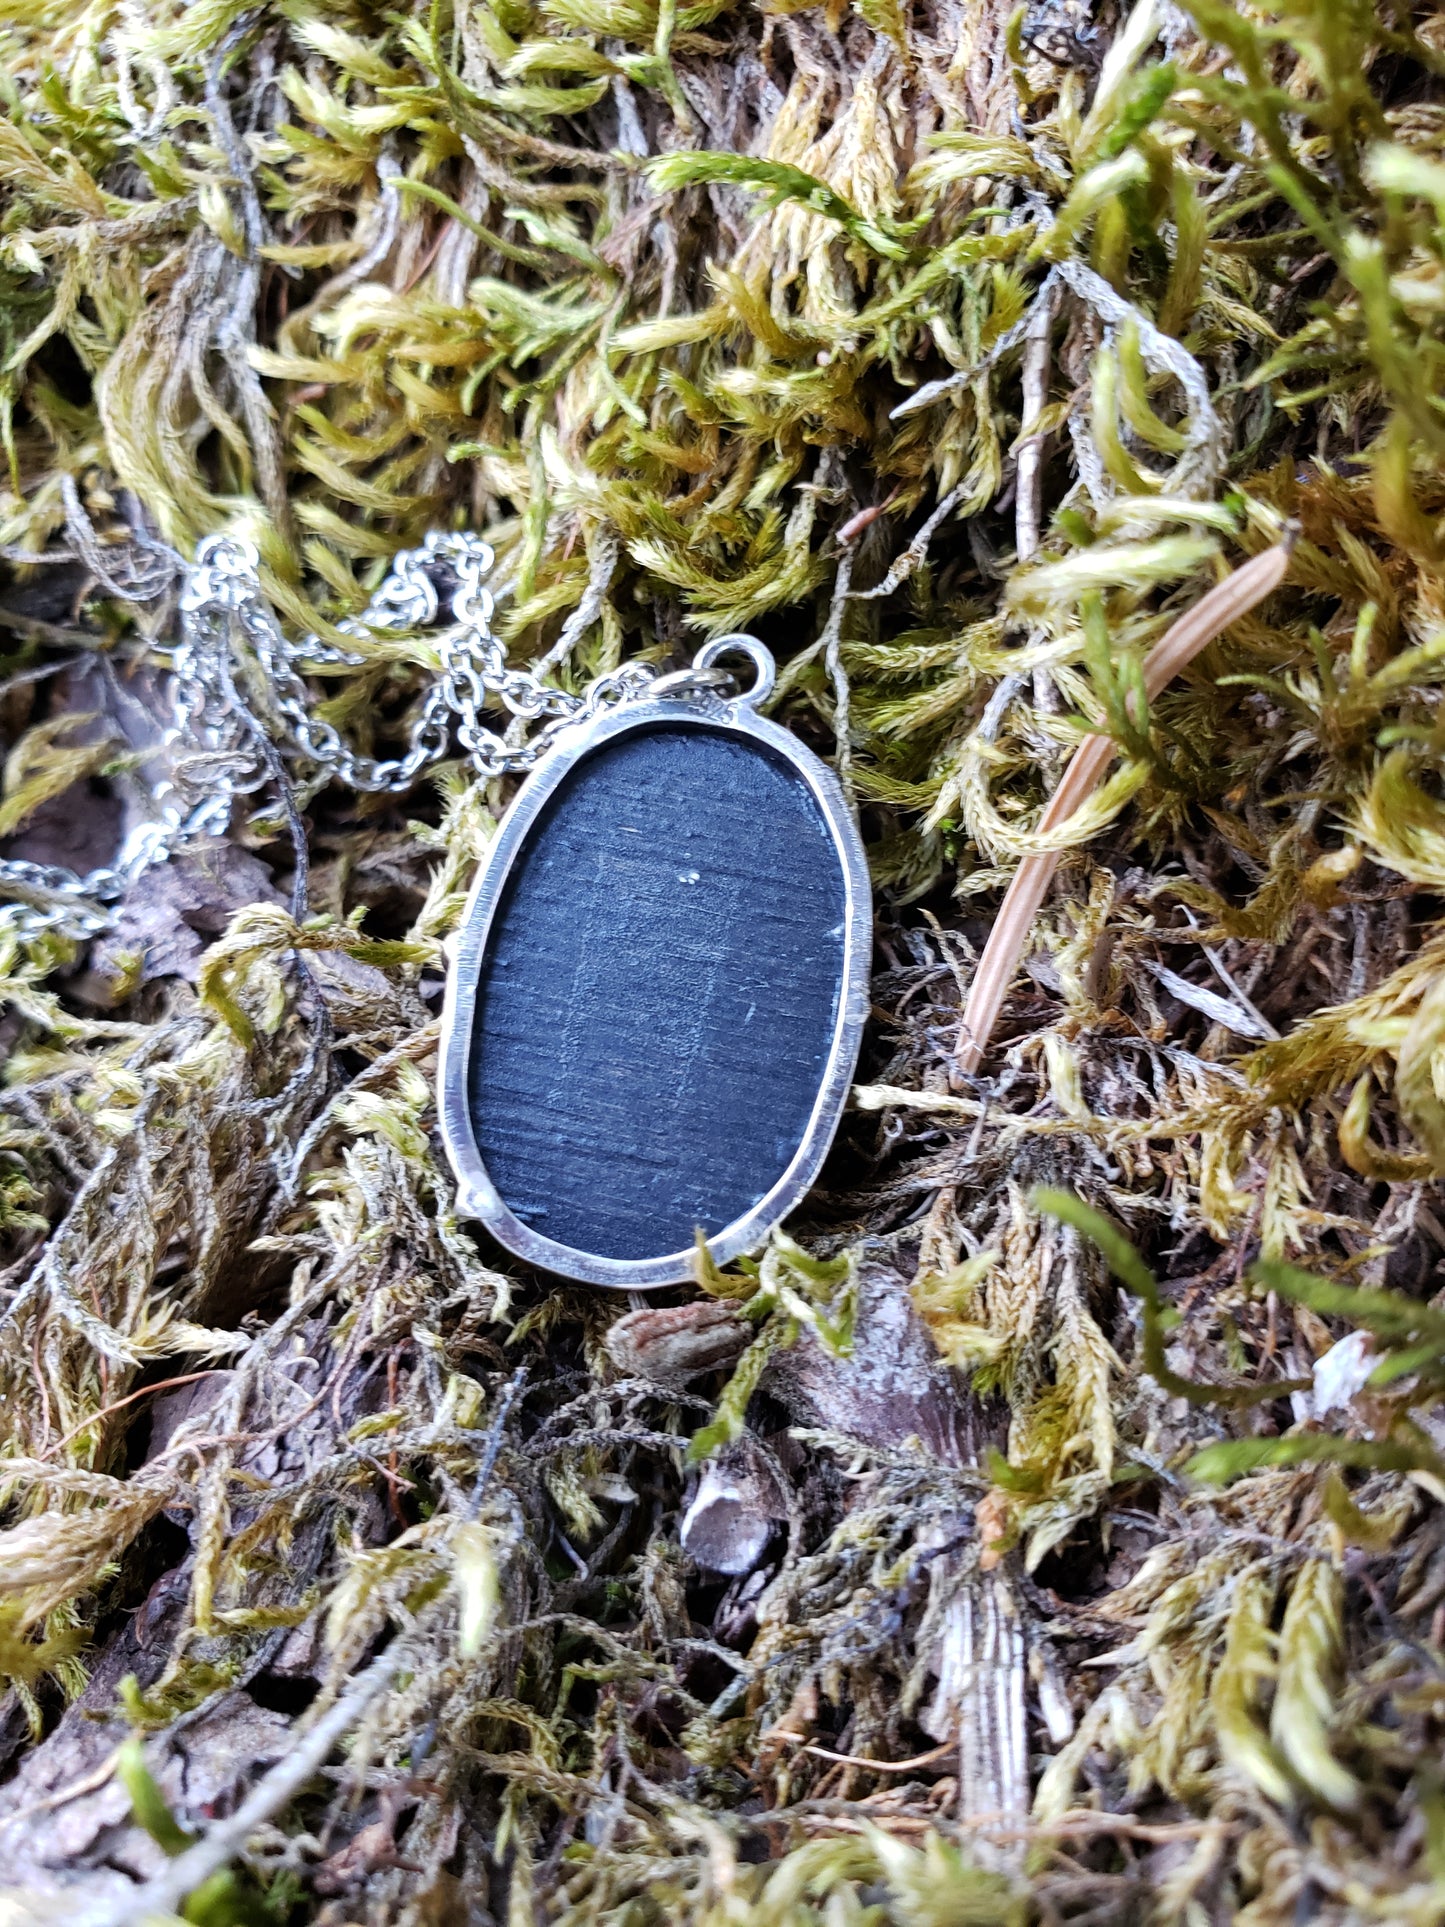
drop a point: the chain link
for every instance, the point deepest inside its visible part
(214, 738)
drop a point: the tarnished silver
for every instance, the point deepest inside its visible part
(688, 695)
(216, 743)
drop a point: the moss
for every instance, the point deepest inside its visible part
(958, 351)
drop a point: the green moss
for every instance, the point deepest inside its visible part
(958, 364)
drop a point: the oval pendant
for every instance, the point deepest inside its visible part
(658, 992)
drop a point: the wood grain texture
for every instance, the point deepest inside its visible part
(659, 994)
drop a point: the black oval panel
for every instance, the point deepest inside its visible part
(659, 992)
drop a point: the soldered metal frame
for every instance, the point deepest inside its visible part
(691, 700)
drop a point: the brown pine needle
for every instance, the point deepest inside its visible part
(161, 1385)
(1210, 617)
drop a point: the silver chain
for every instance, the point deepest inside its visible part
(215, 739)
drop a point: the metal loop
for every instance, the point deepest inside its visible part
(757, 653)
(614, 686)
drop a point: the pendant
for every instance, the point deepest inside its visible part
(659, 987)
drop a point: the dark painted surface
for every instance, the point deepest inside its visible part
(658, 998)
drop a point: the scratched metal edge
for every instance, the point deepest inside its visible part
(477, 1197)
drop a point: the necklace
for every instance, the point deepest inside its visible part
(657, 993)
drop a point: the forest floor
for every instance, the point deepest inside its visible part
(1051, 1526)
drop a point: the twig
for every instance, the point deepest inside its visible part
(235, 329)
(912, 557)
(947, 1747)
(833, 658)
(933, 391)
(494, 1440)
(602, 566)
(1035, 372)
(1267, 1029)
(290, 809)
(427, 1736)
(1202, 457)
(165, 1894)
(91, 1783)
(23, 558)
(40, 672)
(34, 630)
(1210, 617)
(1081, 1823)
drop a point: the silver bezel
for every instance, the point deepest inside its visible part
(476, 1195)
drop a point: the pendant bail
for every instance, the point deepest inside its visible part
(757, 653)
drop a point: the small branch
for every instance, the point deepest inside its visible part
(602, 566)
(832, 640)
(166, 1893)
(912, 557)
(495, 1434)
(77, 1789)
(42, 671)
(1210, 617)
(947, 1749)
(848, 1816)
(1035, 373)
(933, 391)
(296, 828)
(34, 630)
